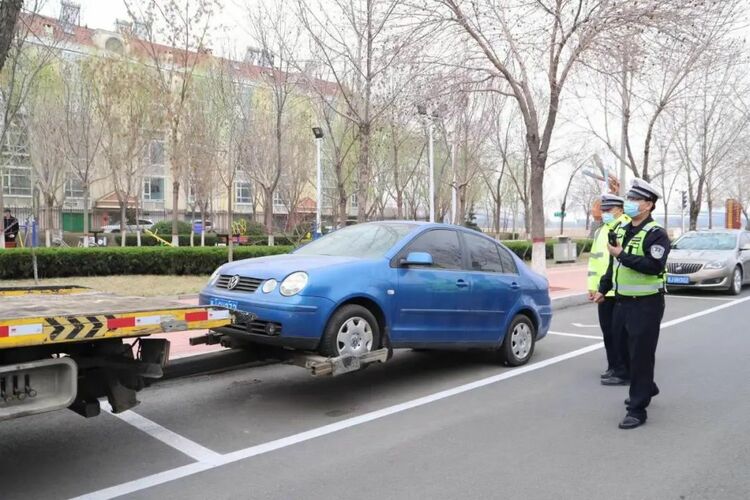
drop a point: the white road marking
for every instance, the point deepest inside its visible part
(695, 297)
(581, 325)
(217, 460)
(172, 439)
(576, 335)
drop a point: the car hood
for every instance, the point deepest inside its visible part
(699, 255)
(280, 266)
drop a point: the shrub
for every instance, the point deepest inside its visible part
(64, 262)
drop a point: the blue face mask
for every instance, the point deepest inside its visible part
(607, 218)
(632, 209)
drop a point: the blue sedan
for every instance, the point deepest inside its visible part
(427, 286)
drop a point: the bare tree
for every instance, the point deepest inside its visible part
(46, 125)
(82, 133)
(644, 69)
(173, 36)
(124, 103)
(30, 51)
(358, 42)
(709, 127)
(562, 32)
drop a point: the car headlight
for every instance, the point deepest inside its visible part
(214, 276)
(293, 284)
(269, 286)
(715, 265)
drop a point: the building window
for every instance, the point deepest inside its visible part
(17, 181)
(242, 193)
(278, 201)
(191, 196)
(153, 189)
(156, 152)
(17, 169)
(353, 202)
(73, 188)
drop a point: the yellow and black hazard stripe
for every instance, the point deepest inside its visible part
(23, 332)
(76, 327)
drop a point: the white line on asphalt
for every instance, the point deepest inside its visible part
(581, 325)
(189, 470)
(695, 297)
(576, 335)
(190, 448)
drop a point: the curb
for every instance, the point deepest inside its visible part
(568, 301)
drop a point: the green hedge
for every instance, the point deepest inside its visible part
(131, 240)
(523, 248)
(64, 262)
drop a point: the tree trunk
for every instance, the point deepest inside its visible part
(268, 209)
(399, 204)
(536, 192)
(363, 185)
(230, 253)
(9, 10)
(86, 229)
(123, 221)
(175, 211)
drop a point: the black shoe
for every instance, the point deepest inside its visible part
(615, 381)
(630, 422)
(607, 374)
(656, 393)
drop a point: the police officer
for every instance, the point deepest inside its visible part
(613, 220)
(637, 273)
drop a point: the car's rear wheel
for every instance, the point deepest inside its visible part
(519, 341)
(351, 331)
(735, 287)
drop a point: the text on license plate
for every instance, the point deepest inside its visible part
(678, 280)
(226, 304)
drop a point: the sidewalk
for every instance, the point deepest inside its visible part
(567, 283)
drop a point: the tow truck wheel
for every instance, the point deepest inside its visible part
(351, 331)
(518, 344)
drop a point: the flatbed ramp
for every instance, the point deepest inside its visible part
(64, 347)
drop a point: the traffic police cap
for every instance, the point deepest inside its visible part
(609, 201)
(643, 190)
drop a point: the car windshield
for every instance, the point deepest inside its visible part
(366, 240)
(706, 241)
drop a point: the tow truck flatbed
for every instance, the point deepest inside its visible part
(42, 316)
(63, 347)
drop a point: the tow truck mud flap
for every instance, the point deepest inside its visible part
(37, 387)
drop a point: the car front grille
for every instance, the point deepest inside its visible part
(248, 285)
(680, 268)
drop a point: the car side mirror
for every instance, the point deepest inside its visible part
(417, 259)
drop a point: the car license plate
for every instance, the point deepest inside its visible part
(678, 280)
(226, 304)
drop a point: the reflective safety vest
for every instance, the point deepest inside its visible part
(599, 257)
(631, 283)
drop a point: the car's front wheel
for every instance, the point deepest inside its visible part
(518, 344)
(735, 287)
(351, 331)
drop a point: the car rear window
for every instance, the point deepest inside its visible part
(706, 241)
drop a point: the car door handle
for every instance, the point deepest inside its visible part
(515, 286)
(461, 284)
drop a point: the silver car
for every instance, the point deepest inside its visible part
(717, 259)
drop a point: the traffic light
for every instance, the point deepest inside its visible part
(684, 200)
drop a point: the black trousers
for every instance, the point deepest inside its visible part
(606, 320)
(637, 322)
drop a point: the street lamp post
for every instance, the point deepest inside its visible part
(318, 133)
(422, 110)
